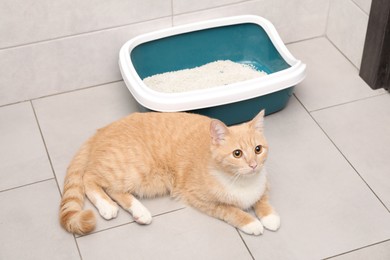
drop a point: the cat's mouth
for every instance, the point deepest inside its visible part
(253, 171)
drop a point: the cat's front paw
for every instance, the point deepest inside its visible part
(253, 228)
(143, 218)
(271, 222)
(140, 214)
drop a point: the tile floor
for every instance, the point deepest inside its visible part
(329, 171)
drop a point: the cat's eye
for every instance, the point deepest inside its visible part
(237, 153)
(258, 149)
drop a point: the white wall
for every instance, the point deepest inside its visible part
(49, 47)
(347, 26)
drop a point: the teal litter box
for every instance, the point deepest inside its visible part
(244, 39)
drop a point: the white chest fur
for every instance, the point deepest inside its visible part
(244, 191)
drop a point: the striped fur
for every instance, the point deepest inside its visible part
(72, 216)
(187, 156)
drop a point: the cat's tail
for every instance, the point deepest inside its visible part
(72, 216)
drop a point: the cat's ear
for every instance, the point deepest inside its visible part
(218, 131)
(258, 122)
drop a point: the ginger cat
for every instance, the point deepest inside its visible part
(216, 169)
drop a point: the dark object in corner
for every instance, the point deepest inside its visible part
(375, 67)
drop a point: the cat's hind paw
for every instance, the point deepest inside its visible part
(253, 228)
(107, 210)
(271, 222)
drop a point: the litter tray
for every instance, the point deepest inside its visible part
(245, 39)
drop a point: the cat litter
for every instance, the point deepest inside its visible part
(217, 73)
(245, 39)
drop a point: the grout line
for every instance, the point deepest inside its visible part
(334, 144)
(243, 241)
(171, 211)
(357, 249)
(60, 93)
(119, 80)
(47, 151)
(15, 103)
(172, 14)
(342, 53)
(326, 34)
(119, 26)
(214, 7)
(52, 168)
(130, 222)
(25, 185)
(306, 39)
(77, 246)
(75, 90)
(105, 229)
(327, 18)
(81, 33)
(347, 102)
(361, 9)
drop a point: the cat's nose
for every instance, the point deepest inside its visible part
(253, 165)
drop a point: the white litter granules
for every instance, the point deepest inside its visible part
(212, 74)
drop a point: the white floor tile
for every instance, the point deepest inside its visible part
(376, 252)
(23, 157)
(156, 207)
(185, 6)
(347, 26)
(29, 224)
(184, 234)
(324, 206)
(309, 17)
(63, 18)
(361, 130)
(330, 78)
(365, 5)
(70, 119)
(65, 64)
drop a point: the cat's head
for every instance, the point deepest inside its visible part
(240, 149)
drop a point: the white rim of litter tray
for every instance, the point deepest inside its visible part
(220, 95)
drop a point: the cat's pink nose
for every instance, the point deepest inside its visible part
(253, 165)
